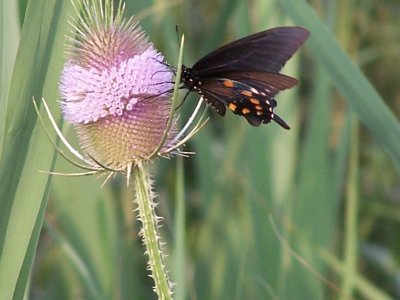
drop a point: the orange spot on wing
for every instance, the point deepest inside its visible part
(254, 101)
(246, 93)
(228, 83)
(259, 107)
(245, 111)
(232, 106)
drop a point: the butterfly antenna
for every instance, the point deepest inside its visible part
(147, 96)
(162, 82)
(173, 69)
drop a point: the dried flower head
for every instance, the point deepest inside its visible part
(115, 88)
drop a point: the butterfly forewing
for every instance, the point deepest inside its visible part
(266, 51)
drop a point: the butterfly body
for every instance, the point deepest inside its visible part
(244, 75)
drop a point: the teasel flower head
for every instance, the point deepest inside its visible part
(116, 88)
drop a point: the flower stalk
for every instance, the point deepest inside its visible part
(116, 91)
(151, 239)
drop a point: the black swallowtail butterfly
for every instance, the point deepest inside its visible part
(244, 75)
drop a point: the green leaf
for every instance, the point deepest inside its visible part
(23, 190)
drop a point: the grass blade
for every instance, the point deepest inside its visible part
(348, 78)
(23, 193)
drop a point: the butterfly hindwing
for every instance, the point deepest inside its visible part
(269, 83)
(255, 104)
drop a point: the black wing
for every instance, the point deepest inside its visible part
(267, 84)
(266, 51)
(248, 94)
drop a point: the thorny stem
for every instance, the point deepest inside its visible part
(150, 236)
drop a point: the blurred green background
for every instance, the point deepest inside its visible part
(310, 213)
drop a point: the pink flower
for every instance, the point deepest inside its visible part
(116, 91)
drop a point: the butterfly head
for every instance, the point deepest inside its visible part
(189, 80)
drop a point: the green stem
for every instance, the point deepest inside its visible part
(179, 258)
(150, 236)
(351, 209)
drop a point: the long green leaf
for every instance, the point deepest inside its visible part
(9, 38)
(23, 192)
(352, 83)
